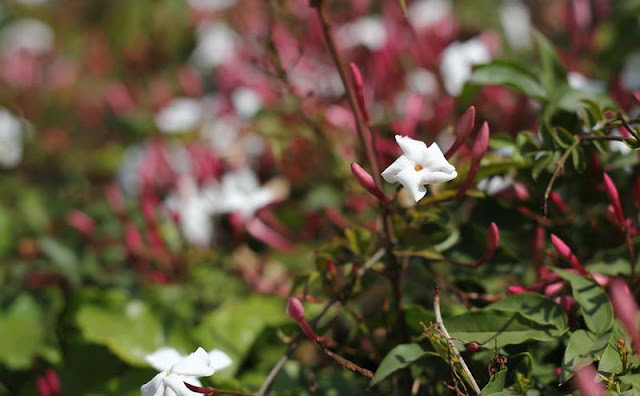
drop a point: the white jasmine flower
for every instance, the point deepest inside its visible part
(367, 31)
(630, 74)
(176, 369)
(579, 81)
(516, 23)
(458, 60)
(496, 184)
(194, 210)
(246, 101)
(426, 13)
(11, 131)
(26, 34)
(618, 146)
(180, 115)
(418, 166)
(239, 192)
(216, 45)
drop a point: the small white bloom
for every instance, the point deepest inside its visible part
(176, 369)
(11, 131)
(180, 115)
(194, 209)
(458, 60)
(240, 193)
(216, 45)
(418, 166)
(496, 184)
(426, 13)
(246, 101)
(422, 81)
(579, 81)
(26, 34)
(618, 146)
(367, 31)
(516, 23)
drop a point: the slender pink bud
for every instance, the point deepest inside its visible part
(521, 191)
(515, 289)
(331, 267)
(625, 308)
(81, 222)
(54, 382)
(558, 201)
(565, 253)
(477, 152)
(493, 240)
(635, 192)
(295, 310)
(367, 182)
(356, 77)
(585, 381)
(114, 198)
(636, 95)
(614, 197)
(201, 389)
(132, 239)
(42, 386)
(538, 246)
(464, 129)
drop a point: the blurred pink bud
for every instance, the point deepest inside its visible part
(474, 346)
(585, 381)
(356, 77)
(190, 81)
(262, 232)
(493, 240)
(42, 386)
(331, 267)
(538, 245)
(54, 382)
(553, 288)
(477, 152)
(114, 197)
(464, 129)
(119, 99)
(566, 254)
(636, 95)
(81, 222)
(566, 302)
(614, 198)
(558, 201)
(132, 239)
(295, 310)
(367, 182)
(515, 289)
(625, 308)
(521, 191)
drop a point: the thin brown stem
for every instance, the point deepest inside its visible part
(556, 172)
(440, 326)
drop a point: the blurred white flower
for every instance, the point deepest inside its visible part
(618, 146)
(366, 31)
(176, 370)
(419, 165)
(422, 81)
(426, 13)
(239, 192)
(579, 81)
(496, 184)
(458, 60)
(630, 74)
(11, 131)
(216, 45)
(246, 101)
(194, 210)
(180, 115)
(516, 23)
(26, 34)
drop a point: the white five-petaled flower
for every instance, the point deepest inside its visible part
(177, 369)
(418, 166)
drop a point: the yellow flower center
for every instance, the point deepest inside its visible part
(418, 168)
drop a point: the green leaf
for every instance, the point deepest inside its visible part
(534, 307)
(593, 300)
(496, 383)
(128, 328)
(632, 380)
(610, 361)
(508, 74)
(552, 71)
(21, 333)
(584, 347)
(235, 326)
(398, 358)
(505, 327)
(62, 256)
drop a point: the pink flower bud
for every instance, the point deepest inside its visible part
(515, 289)
(356, 78)
(367, 182)
(477, 152)
(464, 129)
(585, 381)
(42, 386)
(614, 198)
(295, 310)
(521, 191)
(54, 382)
(558, 201)
(331, 267)
(565, 253)
(473, 346)
(81, 222)
(114, 197)
(132, 239)
(625, 308)
(493, 240)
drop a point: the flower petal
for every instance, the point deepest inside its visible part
(164, 358)
(219, 360)
(413, 149)
(176, 384)
(427, 177)
(194, 365)
(396, 167)
(434, 160)
(155, 387)
(410, 179)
